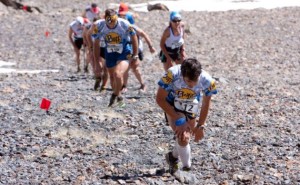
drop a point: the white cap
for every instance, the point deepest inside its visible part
(80, 20)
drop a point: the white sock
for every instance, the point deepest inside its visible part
(184, 154)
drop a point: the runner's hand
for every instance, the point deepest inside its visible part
(181, 130)
(199, 133)
(152, 49)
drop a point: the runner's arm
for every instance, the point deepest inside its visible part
(141, 33)
(88, 38)
(134, 45)
(161, 96)
(163, 39)
(70, 35)
(204, 109)
(84, 14)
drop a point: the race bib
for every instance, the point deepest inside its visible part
(190, 106)
(114, 48)
(176, 45)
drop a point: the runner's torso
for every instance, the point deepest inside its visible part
(116, 39)
(173, 41)
(183, 97)
(77, 29)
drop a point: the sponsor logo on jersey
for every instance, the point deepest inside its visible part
(129, 56)
(113, 38)
(131, 30)
(185, 93)
(167, 79)
(95, 30)
(212, 86)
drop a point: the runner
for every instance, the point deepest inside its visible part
(99, 68)
(134, 65)
(115, 32)
(172, 42)
(92, 12)
(85, 36)
(124, 12)
(76, 37)
(179, 95)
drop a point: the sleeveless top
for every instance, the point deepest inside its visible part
(174, 41)
(90, 14)
(77, 29)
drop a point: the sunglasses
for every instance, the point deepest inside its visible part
(175, 21)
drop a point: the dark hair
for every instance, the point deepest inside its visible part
(191, 68)
(94, 5)
(110, 12)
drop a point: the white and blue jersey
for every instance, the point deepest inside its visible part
(180, 95)
(116, 40)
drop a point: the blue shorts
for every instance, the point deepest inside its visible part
(111, 59)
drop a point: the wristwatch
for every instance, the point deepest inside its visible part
(134, 57)
(200, 126)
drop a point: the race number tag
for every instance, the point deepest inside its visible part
(114, 48)
(176, 45)
(190, 106)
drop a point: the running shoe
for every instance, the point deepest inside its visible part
(120, 101)
(186, 169)
(173, 162)
(97, 83)
(112, 100)
(102, 89)
(86, 68)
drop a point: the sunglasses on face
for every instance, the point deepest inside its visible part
(175, 21)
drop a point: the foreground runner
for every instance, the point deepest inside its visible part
(115, 32)
(172, 42)
(179, 95)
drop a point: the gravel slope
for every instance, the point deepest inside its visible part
(252, 134)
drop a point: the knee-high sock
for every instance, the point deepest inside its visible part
(184, 153)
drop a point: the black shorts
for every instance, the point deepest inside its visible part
(141, 55)
(102, 52)
(174, 54)
(78, 42)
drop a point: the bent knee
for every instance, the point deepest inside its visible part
(184, 142)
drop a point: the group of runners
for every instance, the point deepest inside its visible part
(114, 46)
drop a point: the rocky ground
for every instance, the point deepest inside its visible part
(252, 133)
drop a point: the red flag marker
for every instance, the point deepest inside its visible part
(24, 7)
(47, 33)
(45, 104)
